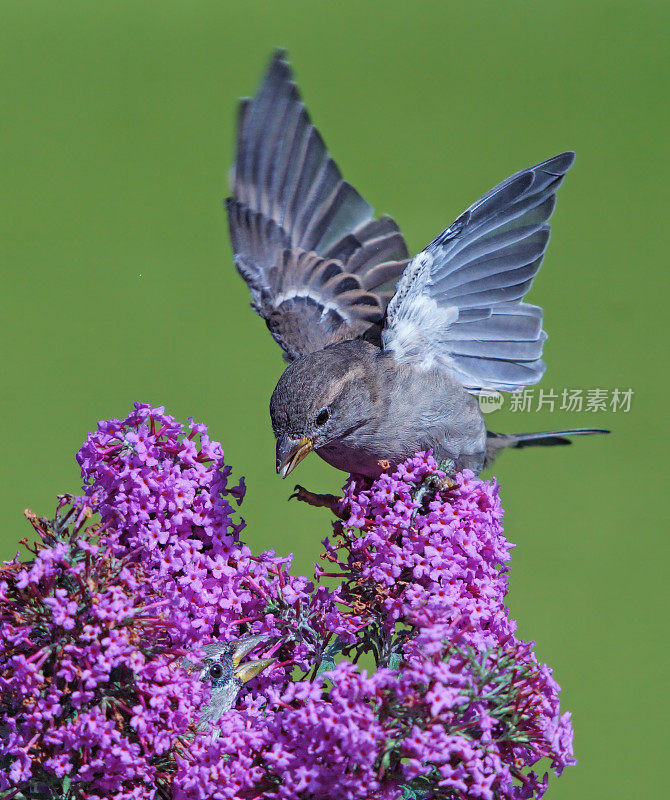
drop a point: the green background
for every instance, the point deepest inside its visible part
(118, 284)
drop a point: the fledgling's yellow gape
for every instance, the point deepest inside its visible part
(224, 671)
(386, 352)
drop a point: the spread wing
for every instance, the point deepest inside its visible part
(320, 267)
(459, 301)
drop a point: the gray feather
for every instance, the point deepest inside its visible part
(289, 195)
(474, 274)
(495, 442)
(507, 376)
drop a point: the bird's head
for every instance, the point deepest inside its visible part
(322, 398)
(223, 670)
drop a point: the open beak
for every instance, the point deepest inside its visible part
(245, 672)
(290, 452)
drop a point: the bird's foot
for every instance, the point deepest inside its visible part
(318, 500)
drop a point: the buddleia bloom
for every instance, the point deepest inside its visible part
(165, 497)
(92, 694)
(457, 707)
(99, 622)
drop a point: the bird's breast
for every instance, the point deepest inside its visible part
(357, 459)
(416, 409)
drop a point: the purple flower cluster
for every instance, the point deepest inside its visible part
(458, 706)
(91, 687)
(95, 628)
(302, 745)
(162, 491)
(472, 722)
(163, 494)
(425, 553)
(467, 727)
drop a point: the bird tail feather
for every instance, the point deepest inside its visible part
(548, 438)
(495, 442)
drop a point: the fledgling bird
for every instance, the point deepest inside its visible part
(386, 352)
(223, 670)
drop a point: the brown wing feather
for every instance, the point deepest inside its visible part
(294, 219)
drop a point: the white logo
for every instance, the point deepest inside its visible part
(490, 401)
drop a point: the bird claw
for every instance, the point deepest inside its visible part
(317, 500)
(299, 493)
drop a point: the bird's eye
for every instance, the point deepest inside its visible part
(322, 416)
(215, 671)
